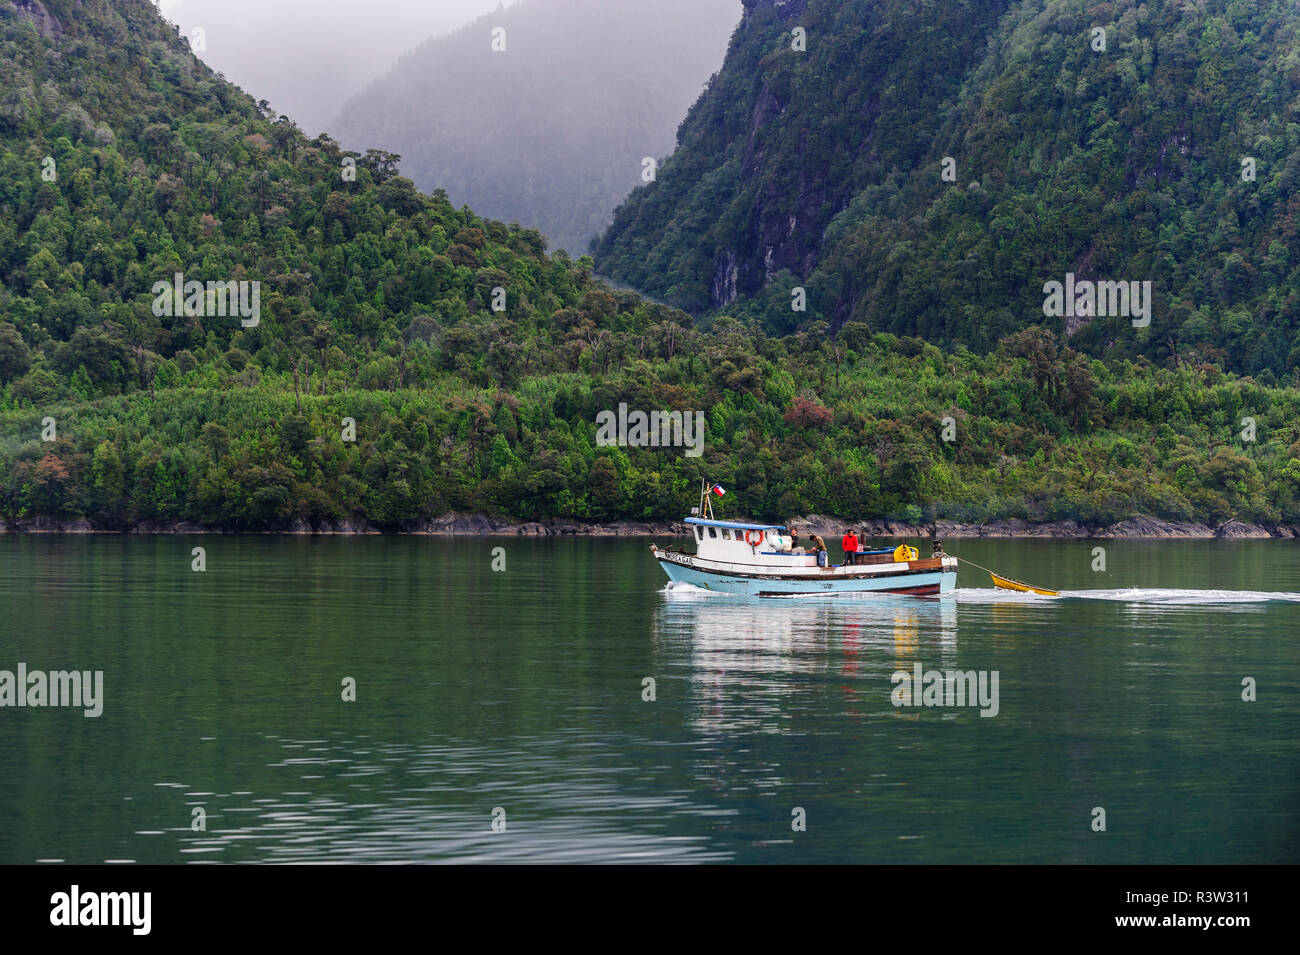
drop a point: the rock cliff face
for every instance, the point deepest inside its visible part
(787, 230)
(34, 12)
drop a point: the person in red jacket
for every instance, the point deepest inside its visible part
(850, 545)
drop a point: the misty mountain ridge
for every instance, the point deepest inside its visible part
(552, 130)
(307, 57)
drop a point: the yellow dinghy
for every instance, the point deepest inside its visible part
(1005, 583)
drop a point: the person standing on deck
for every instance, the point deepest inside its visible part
(850, 545)
(819, 548)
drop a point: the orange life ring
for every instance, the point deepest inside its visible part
(753, 543)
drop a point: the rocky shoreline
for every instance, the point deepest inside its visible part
(478, 525)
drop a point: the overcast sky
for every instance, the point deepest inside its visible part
(308, 56)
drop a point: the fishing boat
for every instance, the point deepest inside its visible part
(735, 557)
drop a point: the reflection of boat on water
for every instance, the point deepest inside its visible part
(751, 663)
(779, 635)
(756, 560)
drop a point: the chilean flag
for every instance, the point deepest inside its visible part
(718, 489)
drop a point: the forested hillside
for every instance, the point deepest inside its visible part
(1164, 149)
(124, 161)
(547, 121)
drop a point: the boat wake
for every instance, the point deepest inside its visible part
(1134, 595)
(989, 595)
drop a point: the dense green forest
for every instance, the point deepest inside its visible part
(823, 168)
(550, 123)
(378, 306)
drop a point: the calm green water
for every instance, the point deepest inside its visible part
(522, 690)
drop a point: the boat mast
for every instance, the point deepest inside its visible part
(706, 500)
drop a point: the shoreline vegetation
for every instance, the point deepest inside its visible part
(410, 359)
(481, 525)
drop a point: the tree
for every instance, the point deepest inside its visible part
(382, 165)
(15, 356)
(217, 439)
(804, 413)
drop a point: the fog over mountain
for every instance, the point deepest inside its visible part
(306, 56)
(552, 130)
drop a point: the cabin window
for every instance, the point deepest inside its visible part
(726, 534)
(713, 532)
(699, 533)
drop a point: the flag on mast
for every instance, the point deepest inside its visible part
(718, 489)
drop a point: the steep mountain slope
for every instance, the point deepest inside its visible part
(551, 130)
(823, 169)
(125, 160)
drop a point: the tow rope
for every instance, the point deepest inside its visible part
(1006, 583)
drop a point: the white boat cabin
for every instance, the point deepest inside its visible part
(743, 543)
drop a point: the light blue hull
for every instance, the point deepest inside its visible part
(921, 584)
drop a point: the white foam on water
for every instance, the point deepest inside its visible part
(987, 595)
(1187, 597)
(686, 591)
(1135, 595)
